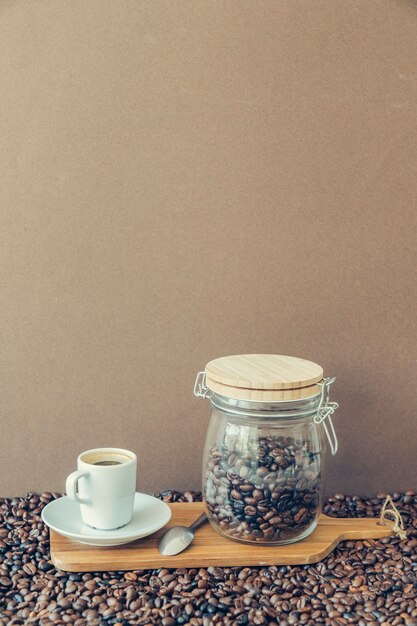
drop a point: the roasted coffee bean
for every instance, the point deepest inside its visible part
(250, 510)
(368, 582)
(280, 485)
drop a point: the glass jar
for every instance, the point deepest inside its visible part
(263, 463)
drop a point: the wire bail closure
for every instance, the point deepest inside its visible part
(325, 411)
(200, 388)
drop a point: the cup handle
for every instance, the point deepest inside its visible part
(72, 487)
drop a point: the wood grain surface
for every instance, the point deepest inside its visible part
(209, 548)
(264, 371)
(262, 395)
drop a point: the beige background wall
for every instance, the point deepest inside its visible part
(185, 180)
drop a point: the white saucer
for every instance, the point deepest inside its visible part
(149, 515)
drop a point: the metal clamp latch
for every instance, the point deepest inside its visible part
(324, 414)
(200, 388)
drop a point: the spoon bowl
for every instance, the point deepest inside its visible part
(178, 538)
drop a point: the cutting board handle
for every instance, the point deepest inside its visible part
(345, 528)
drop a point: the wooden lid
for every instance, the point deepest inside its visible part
(263, 377)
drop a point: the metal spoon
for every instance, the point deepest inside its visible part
(177, 538)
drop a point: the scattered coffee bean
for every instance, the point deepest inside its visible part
(368, 583)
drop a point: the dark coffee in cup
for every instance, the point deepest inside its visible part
(108, 463)
(104, 459)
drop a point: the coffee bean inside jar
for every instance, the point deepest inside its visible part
(268, 494)
(264, 452)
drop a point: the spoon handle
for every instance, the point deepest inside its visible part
(200, 520)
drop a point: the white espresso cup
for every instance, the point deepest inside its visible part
(104, 485)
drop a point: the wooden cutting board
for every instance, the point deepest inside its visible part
(209, 548)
